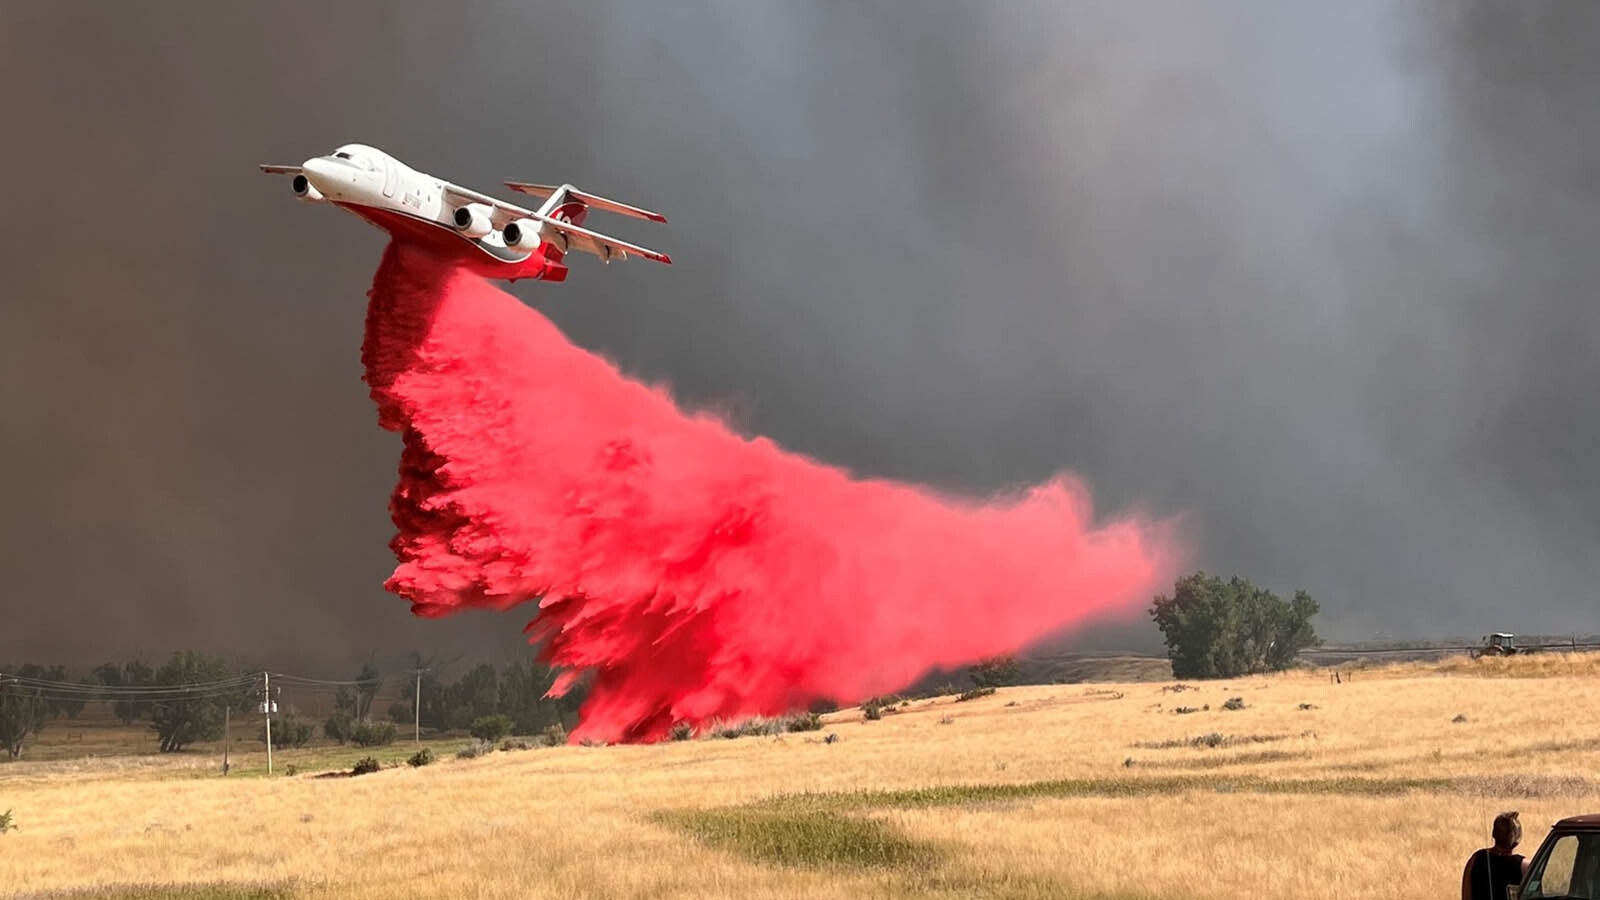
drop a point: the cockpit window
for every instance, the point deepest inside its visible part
(342, 155)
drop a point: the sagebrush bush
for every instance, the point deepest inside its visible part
(490, 728)
(475, 750)
(420, 758)
(871, 711)
(365, 766)
(974, 694)
(506, 746)
(372, 734)
(1234, 703)
(555, 735)
(5, 822)
(806, 721)
(681, 731)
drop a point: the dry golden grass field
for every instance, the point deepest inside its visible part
(1378, 786)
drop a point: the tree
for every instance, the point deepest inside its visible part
(367, 683)
(66, 702)
(129, 674)
(22, 713)
(183, 717)
(1221, 629)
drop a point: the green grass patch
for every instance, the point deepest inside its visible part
(975, 794)
(828, 830)
(207, 891)
(804, 836)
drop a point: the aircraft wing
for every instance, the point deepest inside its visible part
(281, 170)
(592, 242)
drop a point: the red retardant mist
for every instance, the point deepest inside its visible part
(696, 575)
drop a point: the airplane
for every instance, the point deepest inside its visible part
(486, 236)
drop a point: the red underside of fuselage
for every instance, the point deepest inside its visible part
(544, 264)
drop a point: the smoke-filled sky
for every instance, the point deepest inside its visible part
(1319, 278)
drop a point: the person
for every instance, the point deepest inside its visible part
(1493, 869)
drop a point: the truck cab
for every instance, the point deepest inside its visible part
(1567, 865)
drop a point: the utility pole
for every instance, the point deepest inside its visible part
(266, 707)
(416, 709)
(227, 732)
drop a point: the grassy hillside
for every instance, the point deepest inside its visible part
(1377, 786)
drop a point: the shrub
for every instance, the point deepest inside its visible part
(681, 731)
(871, 711)
(508, 745)
(1306, 706)
(1185, 710)
(997, 671)
(555, 735)
(287, 731)
(1234, 703)
(1460, 718)
(974, 694)
(372, 734)
(946, 720)
(338, 727)
(400, 712)
(291, 770)
(5, 822)
(490, 728)
(823, 706)
(1209, 740)
(475, 750)
(806, 721)
(420, 758)
(365, 766)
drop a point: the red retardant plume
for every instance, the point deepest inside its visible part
(695, 574)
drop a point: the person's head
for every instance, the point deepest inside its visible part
(1507, 830)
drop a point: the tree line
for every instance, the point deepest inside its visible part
(189, 698)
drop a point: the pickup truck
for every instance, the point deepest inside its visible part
(1567, 864)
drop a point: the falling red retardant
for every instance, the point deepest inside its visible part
(694, 574)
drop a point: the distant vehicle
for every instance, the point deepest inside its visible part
(490, 237)
(1499, 644)
(1567, 864)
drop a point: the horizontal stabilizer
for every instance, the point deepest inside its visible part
(543, 191)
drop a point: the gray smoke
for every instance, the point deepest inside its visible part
(1317, 278)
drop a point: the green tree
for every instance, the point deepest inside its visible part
(182, 717)
(23, 712)
(1222, 629)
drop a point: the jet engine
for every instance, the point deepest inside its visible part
(473, 220)
(526, 234)
(303, 189)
